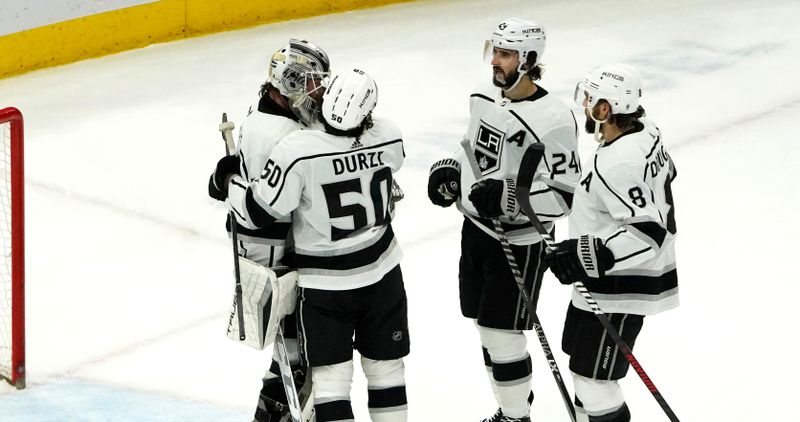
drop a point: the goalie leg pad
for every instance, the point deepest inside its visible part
(257, 282)
(266, 298)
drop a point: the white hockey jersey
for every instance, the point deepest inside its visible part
(264, 126)
(625, 199)
(500, 130)
(337, 192)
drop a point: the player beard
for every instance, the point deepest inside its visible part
(501, 80)
(590, 124)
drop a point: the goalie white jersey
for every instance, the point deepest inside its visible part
(500, 131)
(625, 199)
(264, 126)
(337, 192)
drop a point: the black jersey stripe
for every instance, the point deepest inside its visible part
(574, 120)
(653, 149)
(258, 216)
(524, 123)
(615, 235)
(276, 230)
(481, 96)
(239, 184)
(540, 191)
(550, 215)
(567, 196)
(629, 256)
(530, 129)
(652, 230)
(328, 154)
(245, 172)
(633, 213)
(361, 258)
(636, 284)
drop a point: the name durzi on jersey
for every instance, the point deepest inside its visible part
(343, 237)
(358, 161)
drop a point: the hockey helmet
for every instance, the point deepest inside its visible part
(297, 71)
(617, 83)
(349, 99)
(522, 35)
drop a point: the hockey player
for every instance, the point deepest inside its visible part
(504, 120)
(621, 246)
(288, 101)
(336, 185)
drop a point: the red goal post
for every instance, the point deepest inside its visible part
(12, 260)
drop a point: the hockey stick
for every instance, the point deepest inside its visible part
(226, 128)
(512, 262)
(295, 411)
(287, 377)
(530, 161)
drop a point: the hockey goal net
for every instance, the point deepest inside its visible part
(12, 260)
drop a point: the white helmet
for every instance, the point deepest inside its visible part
(518, 34)
(617, 83)
(349, 99)
(298, 70)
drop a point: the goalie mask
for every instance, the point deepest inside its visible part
(300, 72)
(349, 99)
(521, 35)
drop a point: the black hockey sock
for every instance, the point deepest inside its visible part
(339, 410)
(620, 415)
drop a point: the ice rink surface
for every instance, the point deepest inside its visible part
(129, 273)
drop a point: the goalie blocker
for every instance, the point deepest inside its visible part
(268, 295)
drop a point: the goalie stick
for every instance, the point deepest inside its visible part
(531, 164)
(226, 128)
(296, 412)
(530, 160)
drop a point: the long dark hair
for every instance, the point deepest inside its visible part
(536, 70)
(626, 121)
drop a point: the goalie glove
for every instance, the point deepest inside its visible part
(218, 183)
(444, 182)
(493, 198)
(579, 259)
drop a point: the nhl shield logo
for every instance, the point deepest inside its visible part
(488, 146)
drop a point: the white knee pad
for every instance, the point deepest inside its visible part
(504, 345)
(332, 382)
(598, 396)
(384, 373)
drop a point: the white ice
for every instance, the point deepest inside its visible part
(129, 272)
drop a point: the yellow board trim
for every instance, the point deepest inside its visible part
(139, 26)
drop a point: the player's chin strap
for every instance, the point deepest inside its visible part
(598, 136)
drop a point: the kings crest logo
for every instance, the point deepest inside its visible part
(488, 147)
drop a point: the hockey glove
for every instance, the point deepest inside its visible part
(218, 183)
(493, 198)
(444, 182)
(579, 259)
